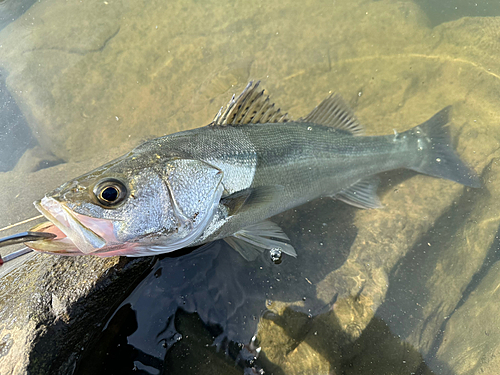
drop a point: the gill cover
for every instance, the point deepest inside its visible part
(195, 189)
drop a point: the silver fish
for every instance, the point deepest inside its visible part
(225, 180)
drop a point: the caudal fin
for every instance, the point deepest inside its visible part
(440, 160)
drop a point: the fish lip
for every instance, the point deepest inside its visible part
(84, 239)
(59, 245)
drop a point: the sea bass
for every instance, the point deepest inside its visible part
(225, 180)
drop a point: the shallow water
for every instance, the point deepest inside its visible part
(410, 288)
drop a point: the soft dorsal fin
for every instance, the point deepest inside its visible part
(250, 107)
(333, 111)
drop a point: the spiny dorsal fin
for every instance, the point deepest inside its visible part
(250, 107)
(334, 112)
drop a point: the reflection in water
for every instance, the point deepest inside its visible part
(227, 294)
(205, 324)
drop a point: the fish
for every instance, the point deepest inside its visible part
(225, 180)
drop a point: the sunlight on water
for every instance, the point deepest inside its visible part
(411, 288)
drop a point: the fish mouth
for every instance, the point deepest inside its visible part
(76, 234)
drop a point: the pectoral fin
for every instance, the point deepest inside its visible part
(362, 194)
(251, 241)
(250, 197)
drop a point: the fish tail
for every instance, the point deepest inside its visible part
(435, 154)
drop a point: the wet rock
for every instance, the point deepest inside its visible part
(358, 287)
(285, 338)
(49, 307)
(301, 344)
(35, 159)
(361, 283)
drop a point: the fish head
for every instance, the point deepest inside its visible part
(138, 205)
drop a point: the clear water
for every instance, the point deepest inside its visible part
(408, 289)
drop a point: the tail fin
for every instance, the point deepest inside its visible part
(440, 159)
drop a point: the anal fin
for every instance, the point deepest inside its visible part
(363, 194)
(253, 240)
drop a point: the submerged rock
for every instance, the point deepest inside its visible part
(449, 309)
(461, 244)
(471, 341)
(10, 10)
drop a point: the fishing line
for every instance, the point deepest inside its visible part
(20, 222)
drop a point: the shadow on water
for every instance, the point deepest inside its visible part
(409, 293)
(191, 349)
(449, 10)
(211, 297)
(10, 10)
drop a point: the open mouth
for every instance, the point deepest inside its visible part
(76, 234)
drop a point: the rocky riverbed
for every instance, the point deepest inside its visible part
(92, 79)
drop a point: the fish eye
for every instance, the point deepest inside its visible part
(110, 192)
